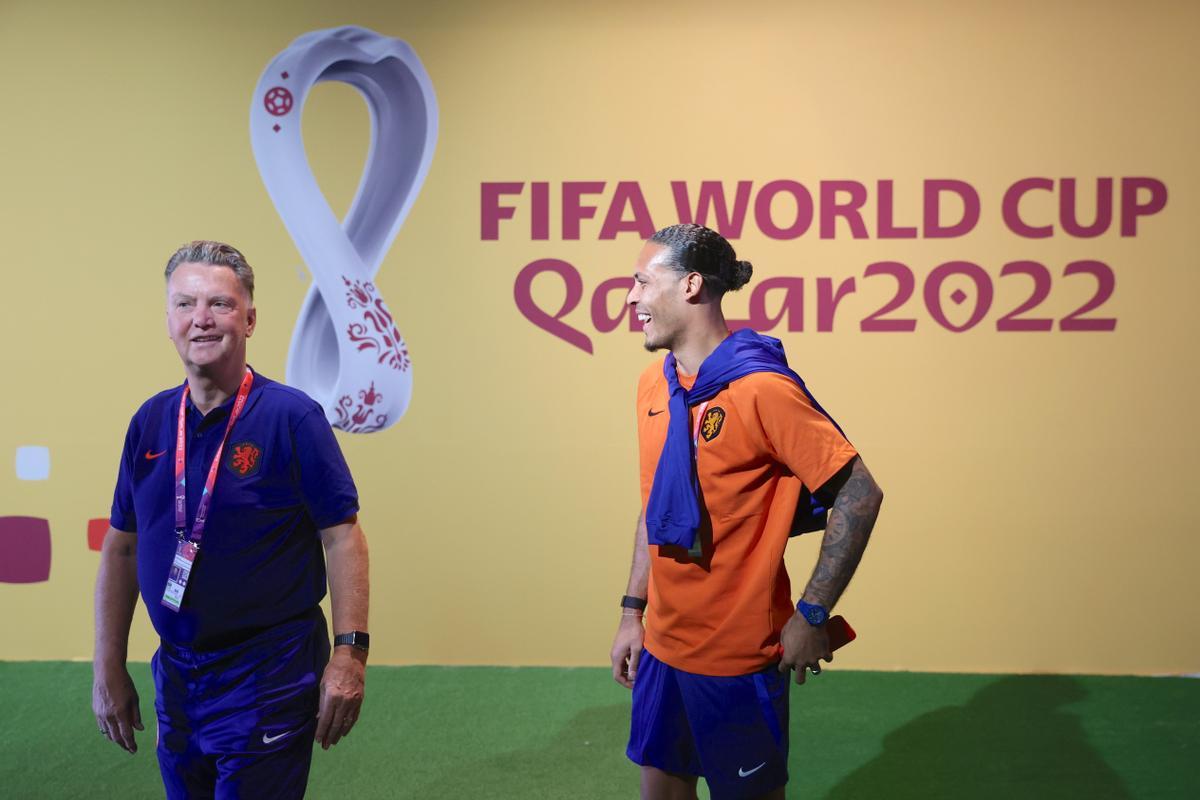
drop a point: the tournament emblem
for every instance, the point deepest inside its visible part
(347, 352)
(244, 459)
(711, 425)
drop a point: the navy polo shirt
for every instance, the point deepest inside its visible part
(282, 479)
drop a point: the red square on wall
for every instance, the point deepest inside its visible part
(24, 549)
(96, 530)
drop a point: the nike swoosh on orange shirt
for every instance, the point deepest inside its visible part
(151, 456)
(650, 413)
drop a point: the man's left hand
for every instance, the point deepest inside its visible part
(341, 695)
(804, 646)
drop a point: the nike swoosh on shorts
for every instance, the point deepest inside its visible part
(746, 774)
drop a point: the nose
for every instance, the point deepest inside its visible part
(634, 292)
(202, 316)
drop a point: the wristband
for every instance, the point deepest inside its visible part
(638, 603)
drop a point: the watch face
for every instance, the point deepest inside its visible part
(814, 614)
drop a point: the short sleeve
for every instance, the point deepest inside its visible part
(326, 485)
(651, 424)
(122, 516)
(800, 436)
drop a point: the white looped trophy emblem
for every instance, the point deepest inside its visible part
(346, 350)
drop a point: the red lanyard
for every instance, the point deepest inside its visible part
(181, 464)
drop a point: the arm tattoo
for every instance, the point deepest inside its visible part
(850, 522)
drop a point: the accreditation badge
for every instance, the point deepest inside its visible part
(181, 570)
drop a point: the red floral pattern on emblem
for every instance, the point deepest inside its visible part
(359, 416)
(378, 330)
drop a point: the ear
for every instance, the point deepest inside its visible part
(693, 287)
(251, 320)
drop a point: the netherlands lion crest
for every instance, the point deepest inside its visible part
(710, 426)
(244, 459)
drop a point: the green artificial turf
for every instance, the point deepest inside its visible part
(532, 733)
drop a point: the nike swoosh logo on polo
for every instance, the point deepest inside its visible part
(151, 456)
(650, 413)
(742, 773)
(276, 737)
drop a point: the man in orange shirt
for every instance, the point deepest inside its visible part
(735, 455)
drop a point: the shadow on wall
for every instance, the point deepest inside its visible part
(1014, 738)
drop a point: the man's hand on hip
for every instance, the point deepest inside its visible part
(341, 695)
(804, 646)
(627, 649)
(115, 704)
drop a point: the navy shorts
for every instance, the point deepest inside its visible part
(731, 731)
(238, 722)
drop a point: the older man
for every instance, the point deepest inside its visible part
(231, 496)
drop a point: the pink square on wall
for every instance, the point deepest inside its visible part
(24, 549)
(96, 530)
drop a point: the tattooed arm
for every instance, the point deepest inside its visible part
(851, 518)
(855, 507)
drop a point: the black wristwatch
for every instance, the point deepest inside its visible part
(359, 640)
(636, 603)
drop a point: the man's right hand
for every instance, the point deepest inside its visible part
(627, 649)
(115, 704)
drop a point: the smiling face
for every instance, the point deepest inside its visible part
(209, 317)
(659, 297)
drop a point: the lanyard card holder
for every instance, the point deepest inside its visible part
(181, 571)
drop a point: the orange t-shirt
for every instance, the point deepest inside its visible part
(760, 441)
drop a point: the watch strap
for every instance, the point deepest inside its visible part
(638, 603)
(356, 639)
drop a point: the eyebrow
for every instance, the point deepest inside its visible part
(228, 298)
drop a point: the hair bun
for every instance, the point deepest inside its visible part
(694, 248)
(742, 270)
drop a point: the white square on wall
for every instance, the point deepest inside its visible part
(33, 463)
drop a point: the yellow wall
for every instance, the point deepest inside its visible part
(1040, 508)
